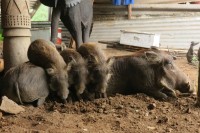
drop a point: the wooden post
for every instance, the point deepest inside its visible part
(198, 92)
(129, 11)
(16, 24)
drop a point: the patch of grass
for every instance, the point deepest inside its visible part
(1, 32)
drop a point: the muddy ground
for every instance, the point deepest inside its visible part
(120, 114)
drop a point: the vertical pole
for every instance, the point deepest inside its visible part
(50, 13)
(16, 26)
(129, 11)
(198, 91)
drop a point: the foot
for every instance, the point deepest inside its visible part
(40, 101)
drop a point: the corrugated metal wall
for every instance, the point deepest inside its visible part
(65, 34)
(178, 27)
(175, 32)
(177, 24)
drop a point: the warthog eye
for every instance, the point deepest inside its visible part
(168, 64)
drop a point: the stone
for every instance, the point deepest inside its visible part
(120, 107)
(163, 120)
(100, 111)
(169, 130)
(151, 128)
(151, 106)
(188, 110)
(8, 106)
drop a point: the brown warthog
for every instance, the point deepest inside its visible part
(78, 72)
(43, 54)
(149, 71)
(25, 83)
(98, 68)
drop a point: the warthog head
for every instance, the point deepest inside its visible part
(57, 81)
(168, 74)
(98, 68)
(99, 75)
(78, 75)
(77, 71)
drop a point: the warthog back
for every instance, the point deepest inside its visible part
(42, 53)
(26, 83)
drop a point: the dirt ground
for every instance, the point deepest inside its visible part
(120, 114)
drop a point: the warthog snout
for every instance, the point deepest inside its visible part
(187, 88)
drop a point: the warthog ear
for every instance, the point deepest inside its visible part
(173, 54)
(152, 57)
(50, 71)
(95, 58)
(69, 66)
(43, 49)
(92, 59)
(72, 59)
(110, 61)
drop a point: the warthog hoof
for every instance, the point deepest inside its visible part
(100, 95)
(40, 101)
(157, 94)
(64, 101)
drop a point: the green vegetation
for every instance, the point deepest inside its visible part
(41, 14)
(1, 31)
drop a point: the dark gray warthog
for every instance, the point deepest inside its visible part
(43, 54)
(151, 72)
(76, 15)
(98, 68)
(78, 72)
(26, 83)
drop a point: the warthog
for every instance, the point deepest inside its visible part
(98, 68)
(149, 71)
(26, 83)
(78, 72)
(43, 54)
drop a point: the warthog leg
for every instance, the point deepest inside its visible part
(157, 94)
(100, 95)
(170, 93)
(40, 101)
(88, 96)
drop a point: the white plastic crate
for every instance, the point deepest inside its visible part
(139, 39)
